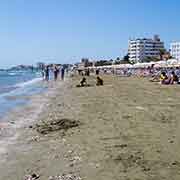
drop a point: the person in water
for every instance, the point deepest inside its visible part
(99, 81)
(47, 73)
(43, 74)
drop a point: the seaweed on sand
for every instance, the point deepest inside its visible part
(56, 125)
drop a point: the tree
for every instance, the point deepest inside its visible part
(117, 62)
(126, 57)
(161, 53)
(126, 60)
(117, 59)
(149, 59)
(103, 63)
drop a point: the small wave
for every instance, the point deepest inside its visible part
(9, 74)
(23, 84)
(12, 74)
(7, 89)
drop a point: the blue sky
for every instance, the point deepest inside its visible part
(65, 30)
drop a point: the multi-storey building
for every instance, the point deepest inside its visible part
(139, 49)
(175, 50)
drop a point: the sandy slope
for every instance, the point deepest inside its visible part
(129, 130)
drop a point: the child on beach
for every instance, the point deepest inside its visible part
(99, 81)
(82, 83)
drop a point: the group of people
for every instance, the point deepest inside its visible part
(56, 71)
(169, 79)
(85, 72)
(167, 76)
(162, 75)
(83, 82)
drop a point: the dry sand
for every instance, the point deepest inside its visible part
(128, 130)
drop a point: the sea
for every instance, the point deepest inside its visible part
(16, 86)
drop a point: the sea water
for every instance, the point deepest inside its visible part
(16, 86)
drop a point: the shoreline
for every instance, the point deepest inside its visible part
(23, 116)
(122, 132)
(19, 92)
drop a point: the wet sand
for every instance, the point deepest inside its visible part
(127, 129)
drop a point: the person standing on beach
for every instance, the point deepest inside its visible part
(88, 72)
(62, 73)
(47, 73)
(97, 71)
(56, 72)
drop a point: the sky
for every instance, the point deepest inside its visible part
(64, 31)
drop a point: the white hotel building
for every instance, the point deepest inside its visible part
(175, 50)
(140, 49)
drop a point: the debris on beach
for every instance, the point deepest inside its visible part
(117, 146)
(176, 163)
(31, 177)
(74, 161)
(56, 125)
(35, 138)
(94, 165)
(65, 177)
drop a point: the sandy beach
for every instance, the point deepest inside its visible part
(127, 129)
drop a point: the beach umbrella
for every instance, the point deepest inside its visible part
(137, 65)
(157, 65)
(160, 64)
(172, 61)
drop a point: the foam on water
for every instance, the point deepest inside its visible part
(12, 74)
(23, 84)
(15, 86)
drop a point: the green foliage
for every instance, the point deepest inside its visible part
(117, 59)
(149, 59)
(103, 63)
(125, 60)
(161, 53)
(126, 57)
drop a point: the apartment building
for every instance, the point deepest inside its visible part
(175, 50)
(139, 49)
